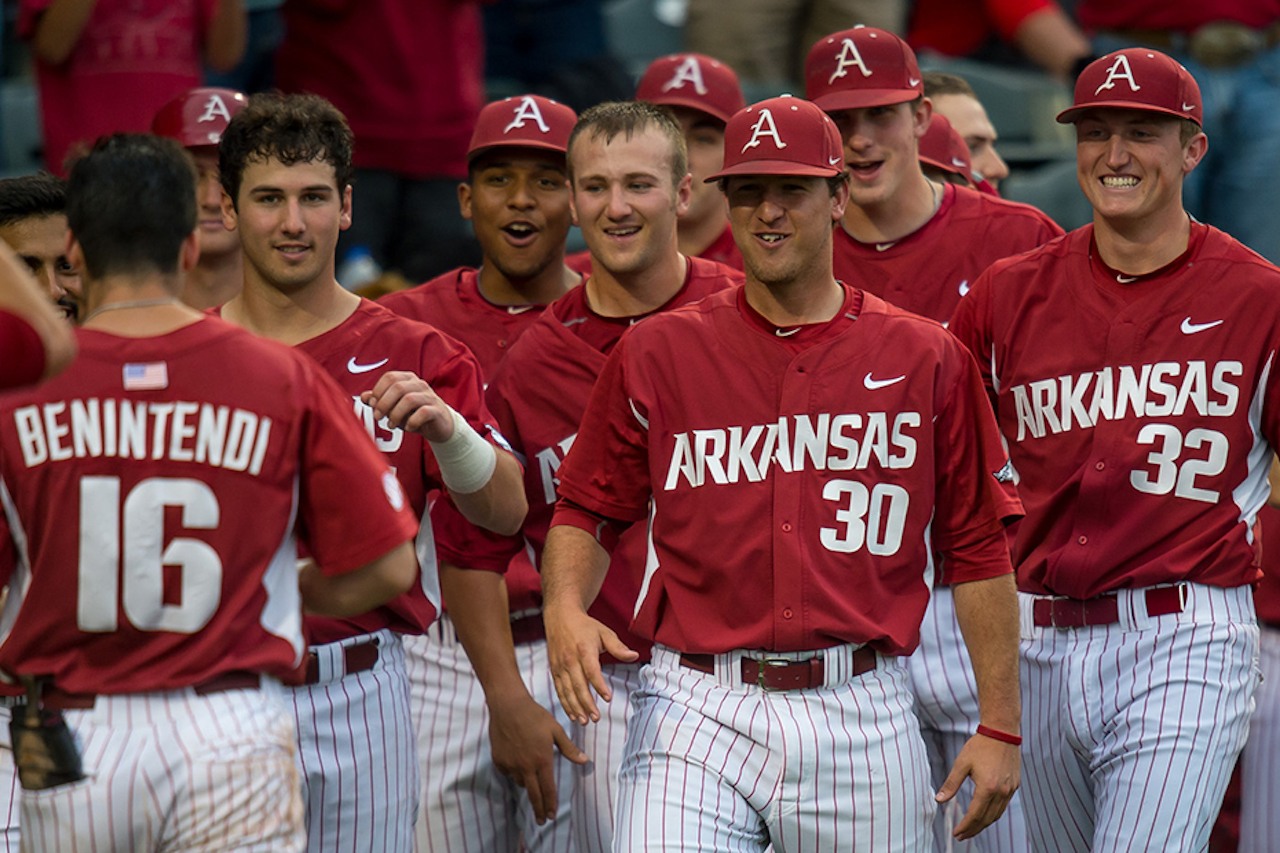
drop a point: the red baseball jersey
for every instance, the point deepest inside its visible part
(928, 271)
(792, 480)
(1140, 412)
(538, 395)
(196, 460)
(366, 345)
(452, 302)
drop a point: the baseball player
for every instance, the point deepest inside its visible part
(33, 222)
(479, 740)
(914, 242)
(1131, 366)
(953, 97)
(197, 119)
(286, 171)
(189, 458)
(702, 93)
(630, 183)
(920, 245)
(794, 446)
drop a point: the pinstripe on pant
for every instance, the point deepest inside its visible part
(1260, 765)
(595, 793)
(713, 765)
(1131, 730)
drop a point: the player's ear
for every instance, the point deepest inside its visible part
(230, 219)
(190, 253)
(1193, 152)
(573, 205)
(921, 114)
(840, 199)
(345, 221)
(684, 194)
(464, 200)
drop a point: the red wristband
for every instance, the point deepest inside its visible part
(996, 734)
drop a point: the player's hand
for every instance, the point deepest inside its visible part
(574, 644)
(408, 402)
(524, 737)
(996, 769)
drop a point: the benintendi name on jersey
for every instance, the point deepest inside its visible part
(180, 431)
(822, 441)
(1164, 389)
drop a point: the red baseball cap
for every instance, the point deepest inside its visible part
(198, 117)
(782, 136)
(861, 67)
(694, 81)
(1136, 78)
(522, 121)
(944, 148)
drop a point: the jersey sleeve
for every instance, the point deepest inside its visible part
(466, 546)
(22, 357)
(607, 469)
(974, 497)
(351, 507)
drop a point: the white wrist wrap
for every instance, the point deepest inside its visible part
(466, 459)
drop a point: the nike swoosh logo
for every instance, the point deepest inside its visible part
(786, 333)
(883, 247)
(518, 309)
(876, 384)
(1186, 108)
(1190, 328)
(957, 162)
(575, 321)
(964, 287)
(835, 161)
(912, 82)
(1125, 279)
(355, 367)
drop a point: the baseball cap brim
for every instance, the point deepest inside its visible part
(856, 99)
(775, 167)
(1069, 115)
(515, 145)
(693, 104)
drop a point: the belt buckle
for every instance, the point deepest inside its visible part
(766, 664)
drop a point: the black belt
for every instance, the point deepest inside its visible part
(357, 657)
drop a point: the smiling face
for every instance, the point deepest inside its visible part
(626, 200)
(881, 148)
(782, 225)
(1131, 164)
(289, 218)
(41, 243)
(518, 203)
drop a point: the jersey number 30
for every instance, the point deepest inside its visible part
(140, 592)
(872, 518)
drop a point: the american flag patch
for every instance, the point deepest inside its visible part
(146, 377)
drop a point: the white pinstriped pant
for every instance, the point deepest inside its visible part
(10, 792)
(1260, 764)
(947, 705)
(1130, 731)
(595, 792)
(357, 753)
(175, 771)
(713, 765)
(468, 804)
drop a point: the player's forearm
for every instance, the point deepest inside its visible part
(574, 565)
(477, 604)
(987, 611)
(500, 504)
(60, 28)
(359, 591)
(21, 296)
(228, 34)
(1052, 40)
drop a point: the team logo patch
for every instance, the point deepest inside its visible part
(1005, 474)
(764, 127)
(150, 376)
(689, 72)
(527, 111)
(1119, 70)
(847, 58)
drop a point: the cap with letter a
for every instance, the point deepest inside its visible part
(1136, 78)
(861, 67)
(694, 81)
(782, 136)
(198, 117)
(522, 121)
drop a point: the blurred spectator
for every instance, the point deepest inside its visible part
(556, 48)
(766, 41)
(943, 155)
(104, 66)
(954, 98)
(1232, 48)
(256, 71)
(982, 29)
(408, 75)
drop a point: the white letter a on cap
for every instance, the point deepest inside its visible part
(1120, 70)
(214, 108)
(764, 127)
(688, 71)
(848, 57)
(527, 111)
